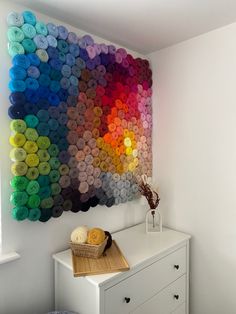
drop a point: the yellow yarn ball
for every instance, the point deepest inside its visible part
(96, 236)
(32, 160)
(17, 140)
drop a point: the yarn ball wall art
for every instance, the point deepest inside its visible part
(81, 120)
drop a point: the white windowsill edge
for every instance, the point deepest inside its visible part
(8, 257)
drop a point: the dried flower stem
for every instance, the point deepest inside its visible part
(151, 195)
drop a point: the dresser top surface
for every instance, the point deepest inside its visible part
(136, 245)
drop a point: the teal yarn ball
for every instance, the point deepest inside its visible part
(34, 214)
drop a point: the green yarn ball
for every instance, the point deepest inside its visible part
(31, 134)
(47, 202)
(43, 142)
(56, 188)
(54, 163)
(19, 198)
(19, 183)
(20, 213)
(32, 187)
(53, 150)
(34, 201)
(32, 173)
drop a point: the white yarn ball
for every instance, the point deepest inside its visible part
(79, 235)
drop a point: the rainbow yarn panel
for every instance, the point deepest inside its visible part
(81, 120)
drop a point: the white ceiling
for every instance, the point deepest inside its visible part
(141, 25)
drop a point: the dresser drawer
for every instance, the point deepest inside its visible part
(166, 301)
(138, 288)
(180, 310)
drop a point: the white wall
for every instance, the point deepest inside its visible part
(26, 285)
(195, 159)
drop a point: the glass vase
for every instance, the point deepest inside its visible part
(153, 221)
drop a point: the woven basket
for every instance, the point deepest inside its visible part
(88, 250)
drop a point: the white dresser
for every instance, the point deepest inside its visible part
(157, 282)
